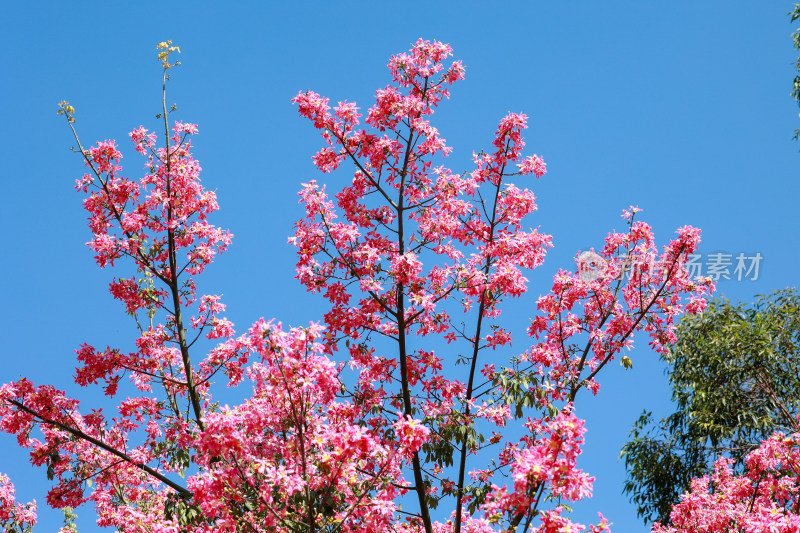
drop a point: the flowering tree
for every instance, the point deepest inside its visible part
(408, 399)
(764, 499)
(14, 517)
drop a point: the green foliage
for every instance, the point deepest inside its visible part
(735, 380)
(17, 528)
(181, 508)
(69, 520)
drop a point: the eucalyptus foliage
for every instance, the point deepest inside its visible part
(735, 380)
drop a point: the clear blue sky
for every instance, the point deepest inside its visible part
(681, 108)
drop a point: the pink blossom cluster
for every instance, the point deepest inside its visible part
(410, 249)
(130, 217)
(402, 400)
(764, 499)
(13, 514)
(607, 309)
(293, 438)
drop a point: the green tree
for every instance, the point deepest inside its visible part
(735, 380)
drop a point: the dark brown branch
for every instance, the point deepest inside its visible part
(100, 444)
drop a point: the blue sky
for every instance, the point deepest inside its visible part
(681, 108)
